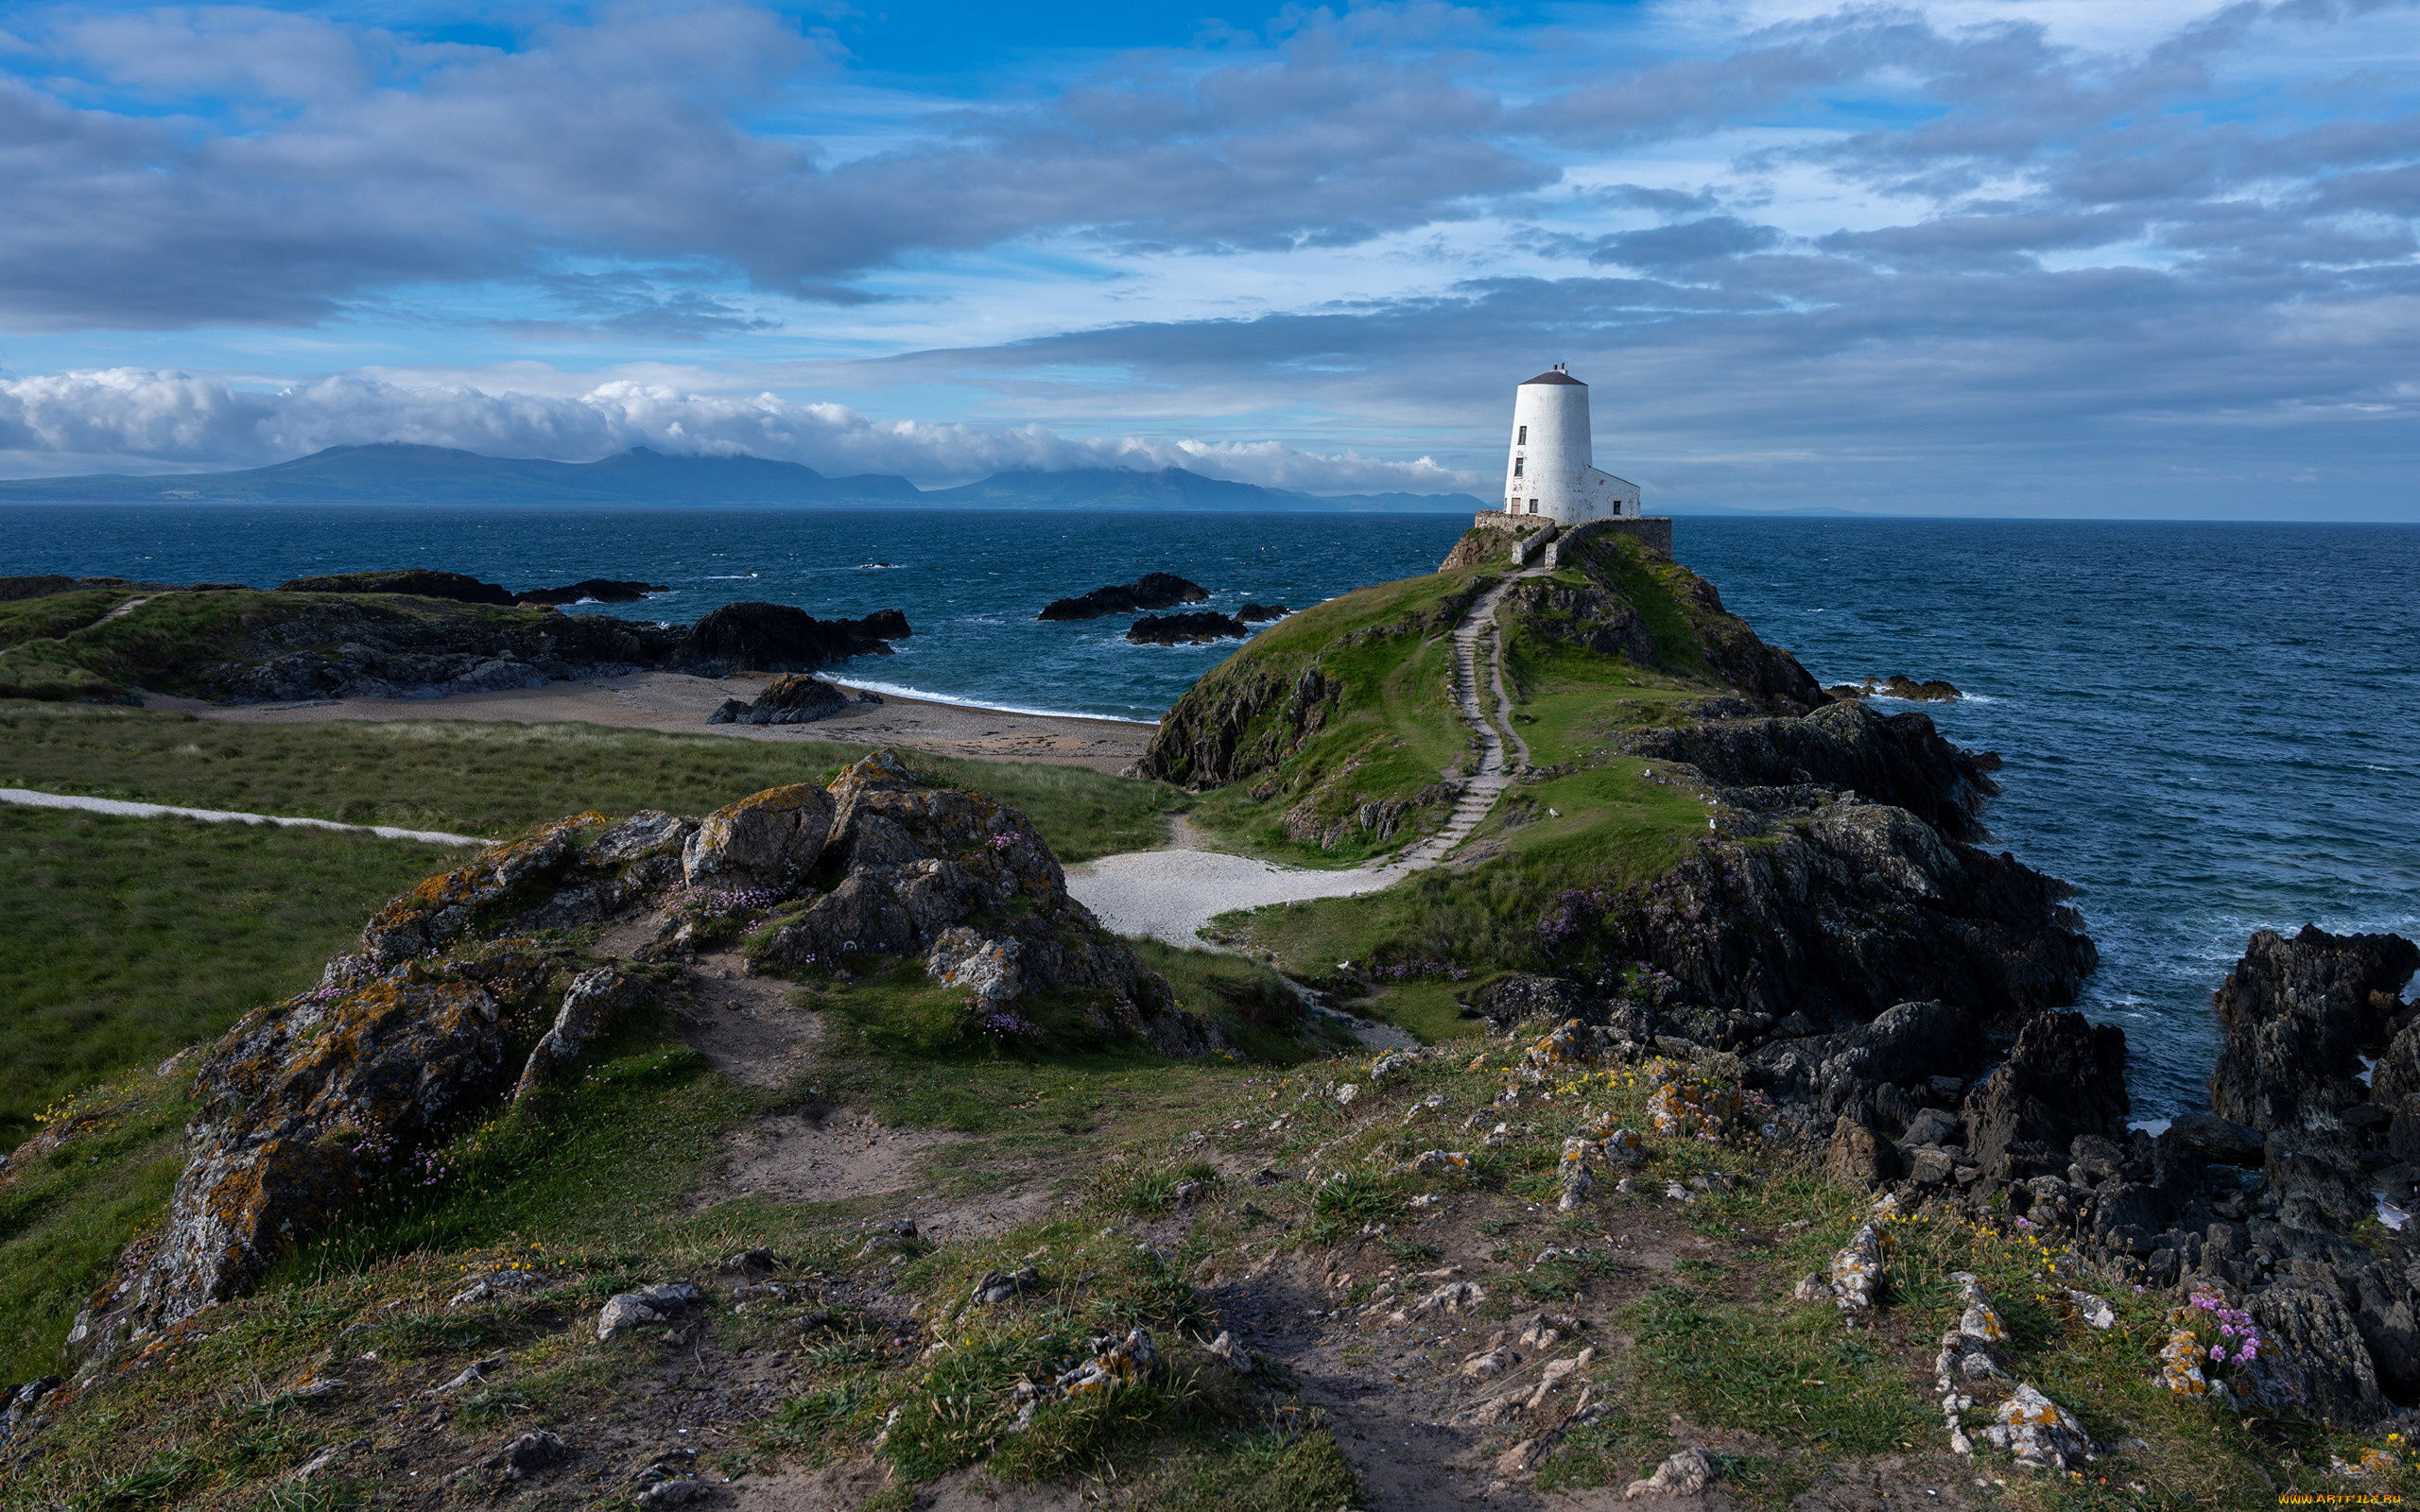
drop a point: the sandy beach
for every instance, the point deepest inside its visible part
(676, 702)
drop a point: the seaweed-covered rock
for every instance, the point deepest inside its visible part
(1150, 591)
(1185, 629)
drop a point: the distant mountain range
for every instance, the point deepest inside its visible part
(393, 473)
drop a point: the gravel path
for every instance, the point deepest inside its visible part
(27, 798)
(1171, 895)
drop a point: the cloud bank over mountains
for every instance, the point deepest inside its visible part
(2029, 255)
(175, 421)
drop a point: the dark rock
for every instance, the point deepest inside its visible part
(2316, 1362)
(1859, 908)
(459, 587)
(2066, 1077)
(533, 1454)
(1185, 629)
(596, 999)
(1899, 685)
(1150, 591)
(759, 637)
(1522, 995)
(304, 648)
(2297, 1015)
(593, 591)
(2218, 1139)
(1261, 613)
(1585, 614)
(1934, 1125)
(1899, 760)
(793, 698)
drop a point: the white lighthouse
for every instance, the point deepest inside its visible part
(1551, 473)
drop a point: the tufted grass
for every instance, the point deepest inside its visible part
(124, 940)
(493, 779)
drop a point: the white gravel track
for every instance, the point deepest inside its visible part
(27, 798)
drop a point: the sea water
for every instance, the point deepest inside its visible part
(2207, 729)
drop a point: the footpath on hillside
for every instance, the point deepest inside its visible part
(1171, 894)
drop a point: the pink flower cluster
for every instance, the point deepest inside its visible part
(2235, 1325)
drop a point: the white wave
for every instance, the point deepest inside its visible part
(2391, 1215)
(732, 577)
(898, 691)
(2153, 1126)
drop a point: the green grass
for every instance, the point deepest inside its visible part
(123, 940)
(63, 1214)
(493, 779)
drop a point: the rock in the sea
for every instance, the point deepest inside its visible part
(459, 587)
(1899, 685)
(758, 637)
(793, 698)
(1150, 591)
(1185, 629)
(593, 591)
(1261, 613)
(2299, 1015)
(767, 840)
(2066, 1077)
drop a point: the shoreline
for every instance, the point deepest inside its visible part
(677, 703)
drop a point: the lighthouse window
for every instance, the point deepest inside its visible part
(1521, 438)
(1516, 465)
(1533, 505)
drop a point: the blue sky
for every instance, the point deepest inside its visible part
(2002, 256)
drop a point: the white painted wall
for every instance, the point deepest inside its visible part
(1549, 469)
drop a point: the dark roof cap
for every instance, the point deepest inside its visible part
(1554, 375)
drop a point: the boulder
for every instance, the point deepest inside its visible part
(1521, 995)
(1185, 629)
(2066, 1077)
(1150, 591)
(762, 637)
(1858, 1156)
(2314, 1358)
(588, 1008)
(793, 698)
(767, 840)
(295, 1105)
(2297, 1015)
(2216, 1139)
(1262, 613)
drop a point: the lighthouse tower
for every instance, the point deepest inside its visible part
(1550, 472)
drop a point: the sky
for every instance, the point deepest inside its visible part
(2115, 258)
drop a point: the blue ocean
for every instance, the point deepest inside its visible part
(2207, 729)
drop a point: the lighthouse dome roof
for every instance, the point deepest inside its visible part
(1554, 375)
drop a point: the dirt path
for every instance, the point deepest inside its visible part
(1171, 895)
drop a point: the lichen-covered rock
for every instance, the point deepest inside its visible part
(450, 904)
(2298, 1017)
(1687, 1474)
(2314, 1358)
(1855, 1272)
(295, 1104)
(589, 1006)
(767, 840)
(2039, 1433)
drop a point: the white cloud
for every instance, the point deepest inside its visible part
(151, 421)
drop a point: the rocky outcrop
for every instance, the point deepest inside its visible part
(2300, 1018)
(960, 881)
(1185, 629)
(793, 698)
(361, 649)
(459, 587)
(2064, 1079)
(1582, 614)
(1847, 911)
(1847, 748)
(1262, 613)
(454, 1002)
(1899, 685)
(1150, 591)
(1253, 719)
(758, 637)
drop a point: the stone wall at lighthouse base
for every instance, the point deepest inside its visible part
(1654, 532)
